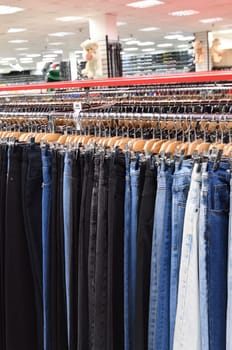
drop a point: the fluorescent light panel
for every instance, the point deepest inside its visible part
(146, 43)
(56, 43)
(61, 34)
(120, 24)
(184, 13)
(145, 3)
(149, 29)
(211, 20)
(165, 45)
(131, 49)
(8, 10)
(16, 30)
(18, 41)
(69, 18)
(22, 48)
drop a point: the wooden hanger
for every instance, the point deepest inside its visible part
(149, 144)
(157, 146)
(172, 146)
(203, 147)
(192, 146)
(138, 146)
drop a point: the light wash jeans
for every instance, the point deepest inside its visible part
(180, 190)
(67, 213)
(187, 327)
(203, 286)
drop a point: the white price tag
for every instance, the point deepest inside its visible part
(77, 107)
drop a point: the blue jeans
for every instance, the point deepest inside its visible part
(217, 242)
(46, 207)
(180, 189)
(203, 288)
(229, 279)
(67, 214)
(158, 329)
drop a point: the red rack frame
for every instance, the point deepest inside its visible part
(199, 77)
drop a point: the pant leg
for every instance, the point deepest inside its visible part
(187, 326)
(180, 189)
(67, 217)
(144, 246)
(46, 212)
(20, 305)
(229, 280)
(217, 252)
(203, 287)
(101, 279)
(83, 247)
(3, 177)
(116, 198)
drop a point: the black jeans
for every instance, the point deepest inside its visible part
(23, 264)
(3, 174)
(144, 246)
(58, 313)
(100, 208)
(83, 250)
(116, 198)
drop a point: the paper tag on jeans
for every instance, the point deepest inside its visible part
(77, 107)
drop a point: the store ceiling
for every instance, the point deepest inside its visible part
(39, 18)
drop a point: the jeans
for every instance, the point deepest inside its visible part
(180, 189)
(217, 252)
(161, 251)
(83, 250)
(143, 263)
(130, 239)
(67, 210)
(3, 175)
(100, 325)
(187, 327)
(22, 332)
(92, 255)
(229, 279)
(203, 287)
(46, 208)
(127, 234)
(115, 276)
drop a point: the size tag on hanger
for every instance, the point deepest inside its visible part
(77, 107)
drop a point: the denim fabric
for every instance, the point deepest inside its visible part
(3, 175)
(158, 249)
(217, 253)
(229, 280)
(92, 256)
(21, 322)
(46, 207)
(116, 199)
(203, 288)
(180, 189)
(163, 296)
(127, 234)
(144, 246)
(100, 314)
(187, 326)
(67, 212)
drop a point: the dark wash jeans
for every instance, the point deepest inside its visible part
(144, 246)
(116, 198)
(23, 251)
(216, 257)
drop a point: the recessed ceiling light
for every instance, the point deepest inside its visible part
(145, 3)
(184, 13)
(186, 38)
(56, 43)
(60, 34)
(7, 10)
(34, 55)
(148, 50)
(16, 30)
(132, 42)
(21, 48)
(19, 41)
(50, 55)
(149, 29)
(165, 45)
(131, 49)
(183, 46)
(69, 18)
(120, 24)
(146, 43)
(211, 20)
(173, 36)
